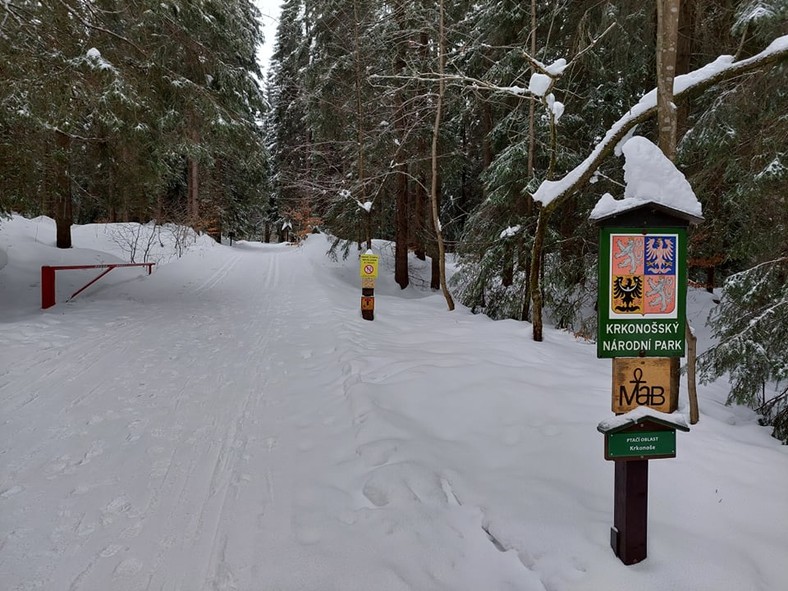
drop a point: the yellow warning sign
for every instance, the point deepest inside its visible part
(369, 266)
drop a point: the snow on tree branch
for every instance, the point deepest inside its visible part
(550, 193)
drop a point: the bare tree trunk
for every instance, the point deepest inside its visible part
(692, 390)
(667, 50)
(360, 124)
(434, 185)
(534, 279)
(62, 204)
(435, 267)
(418, 220)
(683, 60)
(668, 12)
(526, 307)
(532, 106)
(401, 274)
(193, 177)
(193, 192)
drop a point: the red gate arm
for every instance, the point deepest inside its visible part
(48, 278)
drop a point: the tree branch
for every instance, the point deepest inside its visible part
(551, 193)
(89, 25)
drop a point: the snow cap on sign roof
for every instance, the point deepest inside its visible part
(650, 177)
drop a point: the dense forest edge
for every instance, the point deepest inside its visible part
(414, 122)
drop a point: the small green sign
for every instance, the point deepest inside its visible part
(642, 292)
(641, 444)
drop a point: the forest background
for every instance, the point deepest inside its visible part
(372, 112)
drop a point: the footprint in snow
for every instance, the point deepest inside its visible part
(116, 507)
(85, 529)
(128, 568)
(10, 492)
(132, 531)
(57, 466)
(96, 449)
(110, 550)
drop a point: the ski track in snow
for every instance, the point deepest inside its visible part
(244, 430)
(175, 468)
(178, 528)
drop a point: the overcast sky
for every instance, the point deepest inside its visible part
(270, 11)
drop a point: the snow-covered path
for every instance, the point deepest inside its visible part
(230, 423)
(187, 440)
(207, 438)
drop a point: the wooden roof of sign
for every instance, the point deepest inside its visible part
(640, 414)
(647, 214)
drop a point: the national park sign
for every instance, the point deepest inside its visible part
(642, 292)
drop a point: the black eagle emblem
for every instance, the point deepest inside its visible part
(628, 290)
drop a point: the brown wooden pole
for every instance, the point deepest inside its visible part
(630, 511)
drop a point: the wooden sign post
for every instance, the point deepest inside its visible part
(641, 326)
(631, 440)
(369, 273)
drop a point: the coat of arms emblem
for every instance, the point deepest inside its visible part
(643, 278)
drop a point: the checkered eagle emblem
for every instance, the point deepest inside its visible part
(643, 279)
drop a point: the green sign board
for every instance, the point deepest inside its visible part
(642, 292)
(641, 444)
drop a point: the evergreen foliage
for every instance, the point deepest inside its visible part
(751, 325)
(286, 124)
(734, 155)
(104, 102)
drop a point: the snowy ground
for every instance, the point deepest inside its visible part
(231, 423)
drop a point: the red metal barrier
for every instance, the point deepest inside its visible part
(48, 279)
